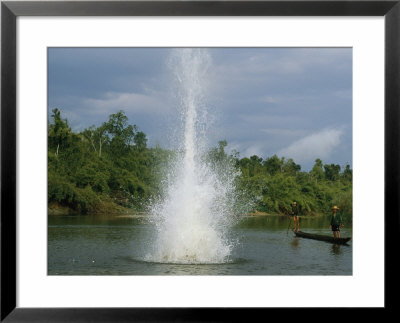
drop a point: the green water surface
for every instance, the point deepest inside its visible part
(117, 245)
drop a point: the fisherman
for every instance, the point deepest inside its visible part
(336, 222)
(295, 215)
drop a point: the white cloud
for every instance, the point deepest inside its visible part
(281, 132)
(247, 148)
(129, 102)
(252, 150)
(317, 145)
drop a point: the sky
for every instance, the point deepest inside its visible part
(292, 102)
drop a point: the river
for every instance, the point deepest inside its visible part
(117, 245)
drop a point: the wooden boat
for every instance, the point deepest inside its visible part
(321, 237)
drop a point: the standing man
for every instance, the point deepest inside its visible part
(336, 222)
(295, 215)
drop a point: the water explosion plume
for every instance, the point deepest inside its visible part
(194, 217)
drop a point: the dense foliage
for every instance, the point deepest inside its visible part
(274, 183)
(109, 167)
(101, 167)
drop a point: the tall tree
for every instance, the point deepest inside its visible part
(347, 173)
(290, 167)
(274, 164)
(332, 172)
(140, 140)
(317, 172)
(89, 135)
(121, 134)
(101, 136)
(59, 132)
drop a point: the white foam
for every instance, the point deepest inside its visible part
(194, 218)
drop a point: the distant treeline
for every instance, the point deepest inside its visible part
(110, 168)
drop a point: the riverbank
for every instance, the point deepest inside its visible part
(118, 210)
(259, 213)
(55, 208)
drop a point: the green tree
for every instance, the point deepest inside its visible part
(59, 132)
(290, 167)
(89, 135)
(255, 165)
(317, 172)
(120, 132)
(332, 172)
(347, 174)
(140, 140)
(101, 137)
(274, 164)
(217, 155)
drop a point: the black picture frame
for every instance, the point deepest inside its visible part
(10, 10)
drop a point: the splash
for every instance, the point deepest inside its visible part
(194, 218)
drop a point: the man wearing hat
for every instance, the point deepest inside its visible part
(336, 222)
(295, 215)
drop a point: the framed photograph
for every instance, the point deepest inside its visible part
(167, 160)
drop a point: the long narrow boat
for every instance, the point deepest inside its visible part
(322, 237)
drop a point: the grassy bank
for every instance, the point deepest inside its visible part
(110, 208)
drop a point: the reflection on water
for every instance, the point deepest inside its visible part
(110, 245)
(295, 242)
(336, 249)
